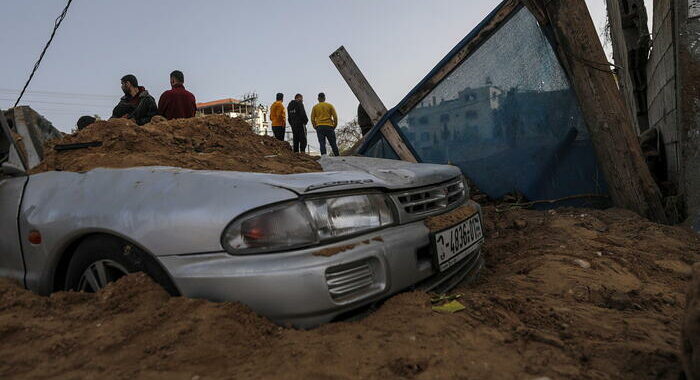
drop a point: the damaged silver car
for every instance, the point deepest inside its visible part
(302, 249)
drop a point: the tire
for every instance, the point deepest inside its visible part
(99, 260)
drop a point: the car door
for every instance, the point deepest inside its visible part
(12, 183)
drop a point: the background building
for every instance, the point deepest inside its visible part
(248, 109)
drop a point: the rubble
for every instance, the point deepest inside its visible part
(213, 142)
(440, 222)
(533, 313)
(691, 327)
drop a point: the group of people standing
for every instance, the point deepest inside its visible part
(140, 106)
(178, 103)
(324, 120)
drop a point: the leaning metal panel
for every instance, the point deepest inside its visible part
(508, 118)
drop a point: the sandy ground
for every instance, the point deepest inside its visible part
(569, 294)
(214, 142)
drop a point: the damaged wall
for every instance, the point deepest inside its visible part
(688, 56)
(673, 88)
(662, 85)
(631, 43)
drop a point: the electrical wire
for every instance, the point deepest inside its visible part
(62, 103)
(57, 94)
(56, 24)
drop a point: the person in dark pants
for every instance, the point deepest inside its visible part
(363, 120)
(325, 119)
(136, 104)
(177, 103)
(297, 120)
(278, 117)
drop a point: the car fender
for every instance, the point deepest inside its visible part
(164, 211)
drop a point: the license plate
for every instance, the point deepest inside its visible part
(457, 242)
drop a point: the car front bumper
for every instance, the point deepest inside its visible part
(304, 289)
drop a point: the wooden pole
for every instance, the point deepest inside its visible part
(369, 100)
(619, 154)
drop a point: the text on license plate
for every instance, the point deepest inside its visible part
(457, 242)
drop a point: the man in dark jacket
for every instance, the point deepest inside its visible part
(177, 103)
(298, 120)
(363, 120)
(136, 104)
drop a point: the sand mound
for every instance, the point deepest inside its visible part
(127, 327)
(691, 327)
(214, 142)
(571, 294)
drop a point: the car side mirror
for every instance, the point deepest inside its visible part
(12, 170)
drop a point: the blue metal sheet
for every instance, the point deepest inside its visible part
(506, 115)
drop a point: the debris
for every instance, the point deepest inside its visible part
(440, 222)
(620, 301)
(450, 307)
(524, 286)
(520, 224)
(690, 328)
(444, 297)
(214, 142)
(327, 252)
(675, 266)
(582, 263)
(92, 144)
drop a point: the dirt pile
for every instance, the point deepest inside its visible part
(440, 222)
(130, 327)
(214, 142)
(571, 294)
(691, 327)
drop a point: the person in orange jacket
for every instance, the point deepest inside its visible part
(278, 117)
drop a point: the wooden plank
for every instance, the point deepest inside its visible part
(15, 156)
(486, 32)
(369, 100)
(359, 85)
(389, 132)
(22, 127)
(610, 126)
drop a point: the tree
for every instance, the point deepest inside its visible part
(609, 123)
(348, 135)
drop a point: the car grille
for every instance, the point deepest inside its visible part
(350, 280)
(430, 200)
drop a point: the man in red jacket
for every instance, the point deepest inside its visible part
(177, 103)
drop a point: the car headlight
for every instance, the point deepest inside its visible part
(305, 223)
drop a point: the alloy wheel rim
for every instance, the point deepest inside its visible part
(99, 274)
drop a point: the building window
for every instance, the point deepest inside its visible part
(423, 120)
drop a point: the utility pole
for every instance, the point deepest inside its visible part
(609, 124)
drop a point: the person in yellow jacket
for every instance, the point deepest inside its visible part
(325, 119)
(278, 117)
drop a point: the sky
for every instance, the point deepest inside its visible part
(226, 48)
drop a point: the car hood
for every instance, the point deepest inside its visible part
(345, 173)
(339, 173)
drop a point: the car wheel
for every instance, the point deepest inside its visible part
(99, 274)
(99, 260)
